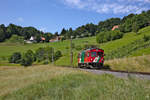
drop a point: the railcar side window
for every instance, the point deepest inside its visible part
(88, 54)
(100, 54)
(93, 54)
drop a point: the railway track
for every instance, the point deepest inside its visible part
(121, 74)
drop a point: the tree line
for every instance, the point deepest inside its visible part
(26, 32)
(132, 22)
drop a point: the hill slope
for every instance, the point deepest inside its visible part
(130, 45)
(133, 64)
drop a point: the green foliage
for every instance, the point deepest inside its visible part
(40, 54)
(11, 29)
(15, 58)
(135, 27)
(57, 55)
(108, 24)
(63, 32)
(16, 39)
(45, 54)
(28, 58)
(146, 38)
(135, 22)
(2, 33)
(48, 36)
(108, 36)
(38, 38)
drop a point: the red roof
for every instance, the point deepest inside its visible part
(42, 38)
(115, 27)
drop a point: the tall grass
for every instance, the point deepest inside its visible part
(134, 64)
(57, 83)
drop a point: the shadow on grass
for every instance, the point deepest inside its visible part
(106, 66)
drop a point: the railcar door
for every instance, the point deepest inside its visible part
(82, 56)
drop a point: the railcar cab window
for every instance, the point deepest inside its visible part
(88, 54)
(100, 54)
(93, 54)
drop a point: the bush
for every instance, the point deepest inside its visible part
(57, 55)
(28, 58)
(40, 54)
(44, 54)
(15, 58)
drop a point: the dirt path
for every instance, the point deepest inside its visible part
(118, 74)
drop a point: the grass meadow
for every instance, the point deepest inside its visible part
(59, 83)
(131, 64)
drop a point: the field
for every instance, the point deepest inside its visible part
(129, 45)
(131, 64)
(55, 83)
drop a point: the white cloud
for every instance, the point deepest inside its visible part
(110, 6)
(20, 19)
(76, 3)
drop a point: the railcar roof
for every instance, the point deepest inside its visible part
(92, 49)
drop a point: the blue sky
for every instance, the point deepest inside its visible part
(53, 15)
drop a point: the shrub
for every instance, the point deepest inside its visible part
(44, 54)
(57, 55)
(40, 54)
(15, 58)
(28, 58)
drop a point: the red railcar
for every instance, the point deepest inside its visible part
(93, 57)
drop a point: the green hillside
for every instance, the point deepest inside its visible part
(130, 45)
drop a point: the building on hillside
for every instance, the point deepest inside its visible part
(115, 27)
(42, 39)
(57, 38)
(31, 40)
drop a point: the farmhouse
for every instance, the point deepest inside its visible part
(57, 38)
(31, 40)
(42, 39)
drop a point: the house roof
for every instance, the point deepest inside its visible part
(42, 38)
(115, 27)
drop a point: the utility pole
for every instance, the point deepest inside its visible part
(52, 55)
(71, 53)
